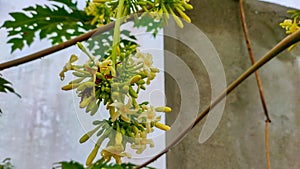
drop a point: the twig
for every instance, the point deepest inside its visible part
(63, 45)
(267, 145)
(55, 48)
(251, 55)
(282, 45)
(258, 80)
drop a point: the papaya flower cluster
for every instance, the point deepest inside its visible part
(290, 27)
(162, 9)
(117, 86)
(104, 10)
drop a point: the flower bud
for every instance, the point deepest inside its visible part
(162, 126)
(135, 79)
(118, 138)
(88, 135)
(163, 109)
(132, 93)
(69, 86)
(183, 15)
(92, 155)
(188, 6)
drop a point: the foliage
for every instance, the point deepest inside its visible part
(56, 22)
(100, 164)
(6, 164)
(100, 45)
(5, 87)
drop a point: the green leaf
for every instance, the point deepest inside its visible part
(4, 87)
(55, 22)
(100, 45)
(6, 164)
(152, 25)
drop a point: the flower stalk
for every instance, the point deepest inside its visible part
(117, 33)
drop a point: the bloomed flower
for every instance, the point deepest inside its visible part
(117, 152)
(123, 110)
(148, 116)
(106, 67)
(68, 66)
(290, 26)
(286, 23)
(155, 15)
(140, 143)
(294, 27)
(146, 59)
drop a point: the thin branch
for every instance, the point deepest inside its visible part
(56, 48)
(281, 46)
(63, 45)
(251, 55)
(258, 80)
(267, 145)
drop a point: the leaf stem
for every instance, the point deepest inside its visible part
(281, 46)
(117, 32)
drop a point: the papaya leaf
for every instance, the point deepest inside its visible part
(4, 87)
(100, 44)
(152, 25)
(58, 22)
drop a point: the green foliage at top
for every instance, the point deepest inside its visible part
(57, 22)
(100, 164)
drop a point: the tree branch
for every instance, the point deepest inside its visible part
(281, 46)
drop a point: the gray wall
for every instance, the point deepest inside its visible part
(238, 141)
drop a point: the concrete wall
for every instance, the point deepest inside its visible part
(238, 141)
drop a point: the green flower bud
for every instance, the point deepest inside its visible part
(88, 135)
(92, 155)
(135, 79)
(70, 86)
(132, 93)
(85, 102)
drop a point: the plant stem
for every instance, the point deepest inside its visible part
(251, 55)
(267, 145)
(258, 80)
(116, 39)
(281, 46)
